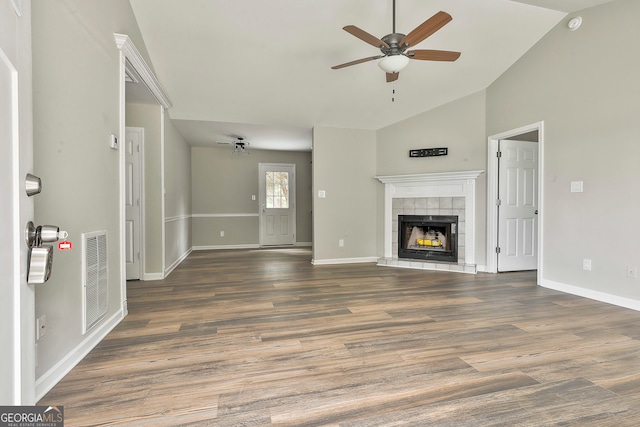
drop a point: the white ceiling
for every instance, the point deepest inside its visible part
(261, 69)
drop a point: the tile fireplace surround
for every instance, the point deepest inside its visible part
(444, 193)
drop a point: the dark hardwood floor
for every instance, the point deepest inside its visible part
(262, 337)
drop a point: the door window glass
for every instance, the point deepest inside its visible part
(277, 190)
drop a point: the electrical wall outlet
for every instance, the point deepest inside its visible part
(341, 243)
(586, 264)
(632, 271)
(222, 234)
(41, 327)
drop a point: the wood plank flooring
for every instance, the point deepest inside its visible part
(264, 338)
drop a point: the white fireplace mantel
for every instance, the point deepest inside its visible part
(430, 177)
(441, 184)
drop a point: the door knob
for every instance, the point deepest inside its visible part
(36, 236)
(40, 259)
(30, 235)
(48, 233)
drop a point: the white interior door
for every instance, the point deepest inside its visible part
(11, 249)
(278, 204)
(17, 303)
(518, 208)
(133, 201)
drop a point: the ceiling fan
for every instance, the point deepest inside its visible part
(395, 55)
(240, 146)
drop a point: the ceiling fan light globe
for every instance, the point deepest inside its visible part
(393, 63)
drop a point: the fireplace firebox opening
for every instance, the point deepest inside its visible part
(428, 237)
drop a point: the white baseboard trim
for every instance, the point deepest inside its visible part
(591, 294)
(152, 276)
(344, 260)
(481, 268)
(303, 244)
(50, 378)
(177, 262)
(217, 247)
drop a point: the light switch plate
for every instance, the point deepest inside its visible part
(576, 186)
(322, 194)
(41, 327)
(113, 142)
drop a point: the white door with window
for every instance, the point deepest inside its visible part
(133, 200)
(518, 206)
(277, 204)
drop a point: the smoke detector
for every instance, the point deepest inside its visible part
(574, 23)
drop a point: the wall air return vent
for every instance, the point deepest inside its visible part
(94, 278)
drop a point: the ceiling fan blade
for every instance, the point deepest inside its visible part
(425, 29)
(433, 55)
(364, 36)
(392, 77)
(357, 61)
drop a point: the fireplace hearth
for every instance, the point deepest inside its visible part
(428, 237)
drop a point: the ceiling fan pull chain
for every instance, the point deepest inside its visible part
(393, 92)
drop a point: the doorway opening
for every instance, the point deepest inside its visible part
(138, 84)
(532, 227)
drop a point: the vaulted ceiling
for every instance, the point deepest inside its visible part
(261, 69)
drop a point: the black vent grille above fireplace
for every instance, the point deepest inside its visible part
(428, 237)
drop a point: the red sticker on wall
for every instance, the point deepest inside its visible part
(65, 246)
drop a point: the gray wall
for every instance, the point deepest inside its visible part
(177, 199)
(460, 126)
(344, 163)
(76, 108)
(223, 183)
(150, 117)
(585, 86)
